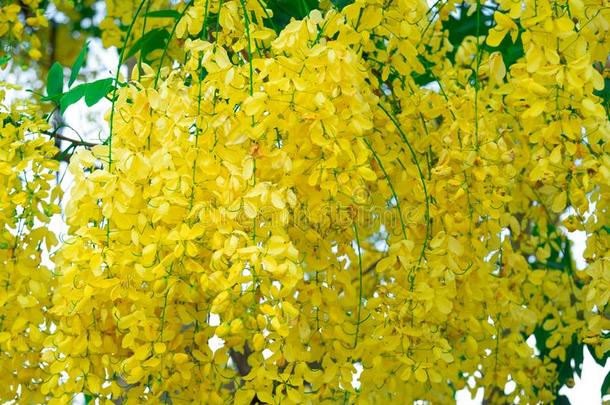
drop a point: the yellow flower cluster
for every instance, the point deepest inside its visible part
(19, 21)
(27, 202)
(290, 217)
(119, 14)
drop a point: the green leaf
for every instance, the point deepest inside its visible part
(599, 360)
(72, 97)
(163, 14)
(562, 400)
(606, 385)
(153, 39)
(78, 63)
(4, 59)
(55, 80)
(97, 90)
(565, 369)
(579, 354)
(342, 3)
(285, 10)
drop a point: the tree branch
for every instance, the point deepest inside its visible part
(241, 360)
(75, 142)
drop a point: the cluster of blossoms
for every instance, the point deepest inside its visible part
(30, 37)
(28, 200)
(19, 23)
(434, 241)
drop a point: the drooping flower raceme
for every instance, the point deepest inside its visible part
(290, 216)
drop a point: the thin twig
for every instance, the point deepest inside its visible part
(421, 177)
(75, 142)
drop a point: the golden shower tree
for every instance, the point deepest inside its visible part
(305, 202)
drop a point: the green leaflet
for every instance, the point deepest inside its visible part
(55, 80)
(78, 64)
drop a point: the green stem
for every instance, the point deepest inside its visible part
(359, 283)
(197, 131)
(143, 32)
(251, 91)
(114, 91)
(247, 23)
(171, 35)
(421, 177)
(402, 222)
(476, 79)
(197, 128)
(116, 81)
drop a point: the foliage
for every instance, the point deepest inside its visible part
(379, 186)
